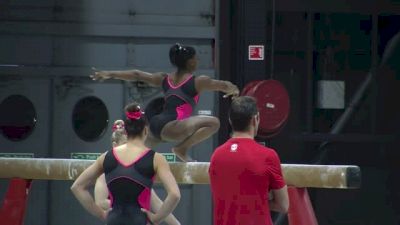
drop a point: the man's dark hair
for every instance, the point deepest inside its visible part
(242, 109)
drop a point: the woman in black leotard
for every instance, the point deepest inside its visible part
(181, 89)
(101, 192)
(129, 171)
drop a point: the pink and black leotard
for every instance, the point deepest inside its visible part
(179, 103)
(129, 188)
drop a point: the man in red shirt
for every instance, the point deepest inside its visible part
(243, 172)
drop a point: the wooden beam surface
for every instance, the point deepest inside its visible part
(298, 175)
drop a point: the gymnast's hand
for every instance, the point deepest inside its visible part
(151, 217)
(233, 92)
(100, 75)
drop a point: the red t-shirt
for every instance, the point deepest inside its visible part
(241, 174)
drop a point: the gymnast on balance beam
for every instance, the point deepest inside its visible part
(181, 88)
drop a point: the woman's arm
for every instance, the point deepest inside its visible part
(101, 193)
(154, 79)
(173, 194)
(205, 83)
(80, 188)
(156, 204)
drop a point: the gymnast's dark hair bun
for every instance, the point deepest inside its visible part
(135, 120)
(179, 55)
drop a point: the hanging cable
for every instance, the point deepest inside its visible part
(273, 40)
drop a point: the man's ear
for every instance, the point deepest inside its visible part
(254, 121)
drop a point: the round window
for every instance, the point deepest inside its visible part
(90, 118)
(17, 117)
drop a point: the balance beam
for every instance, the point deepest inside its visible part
(298, 175)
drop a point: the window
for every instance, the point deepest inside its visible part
(90, 118)
(17, 117)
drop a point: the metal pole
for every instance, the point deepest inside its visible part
(273, 40)
(341, 122)
(280, 217)
(374, 60)
(310, 51)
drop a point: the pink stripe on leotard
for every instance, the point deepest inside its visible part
(110, 196)
(144, 198)
(182, 83)
(184, 111)
(131, 163)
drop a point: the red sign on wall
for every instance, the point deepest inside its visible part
(256, 52)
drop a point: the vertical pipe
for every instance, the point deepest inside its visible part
(218, 41)
(310, 63)
(52, 93)
(225, 61)
(273, 40)
(374, 60)
(374, 40)
(239, 19)
(52, 99)
(282, 218)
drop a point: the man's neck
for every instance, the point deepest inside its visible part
(243, 134)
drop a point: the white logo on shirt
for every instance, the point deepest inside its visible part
(234, 147)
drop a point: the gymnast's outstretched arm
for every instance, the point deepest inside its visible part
(154, 79)
(205, 83)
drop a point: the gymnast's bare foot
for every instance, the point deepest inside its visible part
(182, 154)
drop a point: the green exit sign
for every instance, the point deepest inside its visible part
(85, 155)
(16, 155)
(170, 157)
